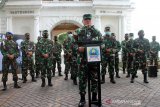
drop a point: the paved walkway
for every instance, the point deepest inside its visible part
(65, 94)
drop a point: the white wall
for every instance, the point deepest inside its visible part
(111, 21)
(22, 25)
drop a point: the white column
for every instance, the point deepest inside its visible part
(98, 23)
(121, 28)
(9, 23)
(36, 28)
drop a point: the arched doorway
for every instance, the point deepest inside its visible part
(63, 28)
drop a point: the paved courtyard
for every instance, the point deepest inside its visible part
(65, 94)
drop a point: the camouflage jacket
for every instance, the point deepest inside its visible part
(123, 45)
(154, 47)
(57, 49)
(27, 46)
(129, 46)
(9, 47)
(67, 46)
(141, 44)
(87, 34)
(45, 47)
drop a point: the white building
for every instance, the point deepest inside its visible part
(57, 16)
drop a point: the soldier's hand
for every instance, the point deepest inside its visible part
(30, 53)
(131, 54)
(81, 49)
(45, 55)
(140, 51)
(11, 56)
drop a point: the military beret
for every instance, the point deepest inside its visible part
(45, 31)
(87, 16)
(9, 33)
(107, 28)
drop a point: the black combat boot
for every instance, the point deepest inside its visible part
(49, 82)
(112, 79)
(103, 79)
(132, 78)
(59, 71)
(16, 85)
(82, 100)
(145, 78)
(24, 79)
(66, 77)
(43, 82)
(75, 81)
(94, 98)
(4, 86)
(117, 74)
(33, 79)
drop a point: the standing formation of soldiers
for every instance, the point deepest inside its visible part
(47, 53)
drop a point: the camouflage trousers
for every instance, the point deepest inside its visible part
(116, 63)
(68, 64)
(130, 65)
(111, 65)
(46, 68)
(104, 66)
(124, 61)
(58, 61)
(83, 76)
(153, 60)
(6, 63)
(140, 62)
(74, 69)
(27, 64)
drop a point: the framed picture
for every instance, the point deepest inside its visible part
(93, 53)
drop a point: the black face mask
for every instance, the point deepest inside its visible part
(27, 38)
(45, 35)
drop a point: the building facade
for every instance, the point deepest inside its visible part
(58, 16)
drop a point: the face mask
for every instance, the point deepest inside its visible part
(108, 33)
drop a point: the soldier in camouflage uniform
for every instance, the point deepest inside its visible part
(27, 48)
(117, 48)
(141, 47)
(10, 53)
(87, 33)
(45, 48)
(104, 63)
(154, 49)
(57, 49)
(37, 59)
(74, 65)
(130, 54)
(67, 55)
(124, 52)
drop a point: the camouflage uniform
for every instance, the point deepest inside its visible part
(37, 59)
(67, 56)
(57, 49)
(87, 34)
(74, 65)
(45, 49)
(118, 48)
(124, 53)
(154, 48)
(130, 58)
(27, 60)
(141, 47)
(9, 47)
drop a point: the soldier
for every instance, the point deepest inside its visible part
(10, 52)
(57, 49)
(117, 48)
(104, 56)
(154, 49)
(130, 54)
(27, 48)
(74, 65)
(124, 53)
(67, 54)
(37, 59)
(45, 49)
(87, 33)
(141, 47)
